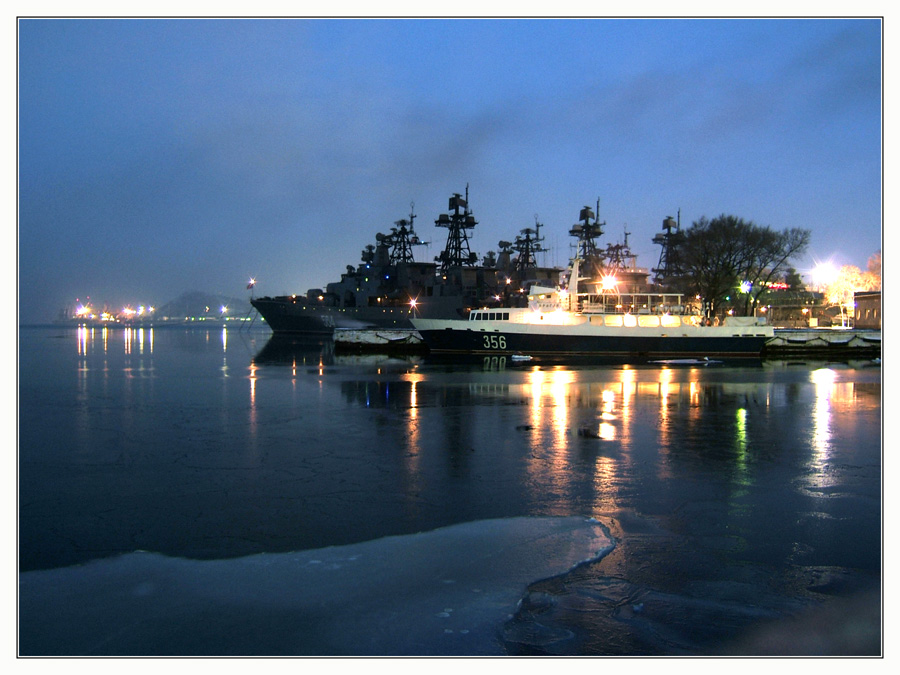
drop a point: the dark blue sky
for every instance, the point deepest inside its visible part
(160, 156)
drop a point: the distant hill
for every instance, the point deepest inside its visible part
(200, 304)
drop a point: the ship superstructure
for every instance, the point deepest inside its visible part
(389, 287)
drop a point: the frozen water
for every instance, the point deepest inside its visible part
(443, 592)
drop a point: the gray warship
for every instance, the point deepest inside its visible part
(389, 287)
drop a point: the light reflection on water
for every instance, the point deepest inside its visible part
(731, 490)
(304, 448)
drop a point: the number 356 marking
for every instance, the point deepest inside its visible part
(494, 341)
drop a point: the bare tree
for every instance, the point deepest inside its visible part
(770, 253)
(720, 256)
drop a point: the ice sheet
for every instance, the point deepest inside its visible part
(445, 592)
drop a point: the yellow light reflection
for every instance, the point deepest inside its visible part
(559, 389)
(823, 379)
(607, 431)
(694, 393)
(663, 388)
(413, 379)
(549, 395)
(413, 457)
(627, 393)
(253, 369)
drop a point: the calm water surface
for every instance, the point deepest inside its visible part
(738, 494)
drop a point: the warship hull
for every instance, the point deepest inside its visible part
(299, 316)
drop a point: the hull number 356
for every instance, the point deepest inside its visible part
(494, 341)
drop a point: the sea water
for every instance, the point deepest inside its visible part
(172, 478)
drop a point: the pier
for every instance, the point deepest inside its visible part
(824, 342)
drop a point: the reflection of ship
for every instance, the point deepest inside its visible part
(313, 353)
(389, 287)
(294, 350)
(603, 320)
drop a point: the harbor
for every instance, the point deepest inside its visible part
(209, 478)
(602, 303)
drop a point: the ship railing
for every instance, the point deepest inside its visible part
(633, 303)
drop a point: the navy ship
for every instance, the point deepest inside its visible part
(595, 319)
(389, 287)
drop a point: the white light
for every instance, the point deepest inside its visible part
(825, 273)
(608, 283)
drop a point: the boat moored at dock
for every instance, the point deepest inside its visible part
(566, 322)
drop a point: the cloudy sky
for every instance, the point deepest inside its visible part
(161, 156)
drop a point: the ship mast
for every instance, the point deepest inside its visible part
(668, 256)
(586, 234)
(458, 223)
(401, 239)
(527, 245)
(619, 256)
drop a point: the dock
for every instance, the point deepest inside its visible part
(824, 343)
